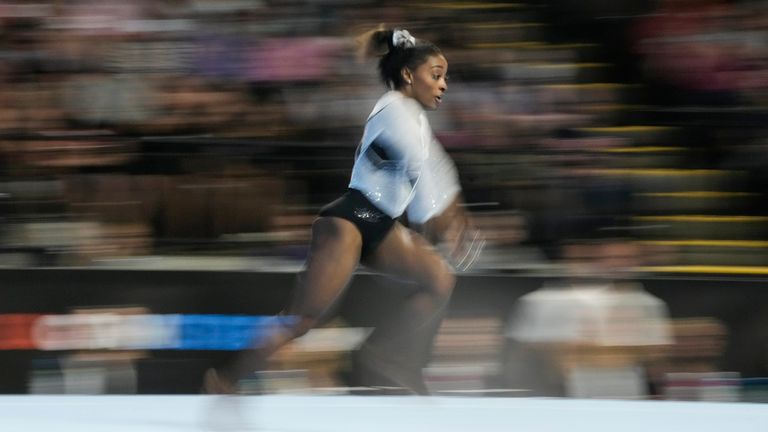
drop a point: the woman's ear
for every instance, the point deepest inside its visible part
(407, 76)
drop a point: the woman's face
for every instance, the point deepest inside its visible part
(427, 82)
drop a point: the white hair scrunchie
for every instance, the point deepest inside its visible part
(401, 38)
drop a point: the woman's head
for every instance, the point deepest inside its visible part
(412, 66)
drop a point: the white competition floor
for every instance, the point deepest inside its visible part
(369, 414)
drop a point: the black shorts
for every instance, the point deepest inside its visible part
(372, 223)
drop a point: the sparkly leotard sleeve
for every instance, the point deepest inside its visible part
(437, 187)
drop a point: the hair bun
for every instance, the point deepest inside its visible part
(374, 43)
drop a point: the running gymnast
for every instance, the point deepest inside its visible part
(400, 168)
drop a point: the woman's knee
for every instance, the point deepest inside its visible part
(441, 280)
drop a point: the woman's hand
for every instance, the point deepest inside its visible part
(453, 232)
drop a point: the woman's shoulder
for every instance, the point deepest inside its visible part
(395, 103)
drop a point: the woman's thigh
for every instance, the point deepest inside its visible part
(333, 257)
(404, 254)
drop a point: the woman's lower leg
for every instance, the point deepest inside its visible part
(334, 255)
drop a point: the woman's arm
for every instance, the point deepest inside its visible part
(437, 211)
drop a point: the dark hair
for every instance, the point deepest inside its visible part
(378, 43)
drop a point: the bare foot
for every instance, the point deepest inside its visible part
(214, 383)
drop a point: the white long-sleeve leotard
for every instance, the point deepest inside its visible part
(400, 164)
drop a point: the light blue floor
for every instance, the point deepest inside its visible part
(369, 414)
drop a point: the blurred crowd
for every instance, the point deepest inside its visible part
(193, 127)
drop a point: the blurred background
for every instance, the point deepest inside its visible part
(161, 163)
